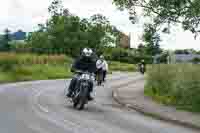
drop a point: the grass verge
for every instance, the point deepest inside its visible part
(177, 85)
(26, 67)
(34, 72)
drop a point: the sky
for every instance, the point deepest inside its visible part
(26, 14)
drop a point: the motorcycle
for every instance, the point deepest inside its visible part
(80, 95)
(142, 69)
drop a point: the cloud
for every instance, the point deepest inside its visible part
(87, 8)
(22, 14)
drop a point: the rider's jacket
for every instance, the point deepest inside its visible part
(85, 64)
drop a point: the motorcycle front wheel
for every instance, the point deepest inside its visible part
(81, 100)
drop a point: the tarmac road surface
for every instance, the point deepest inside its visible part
(40, 107)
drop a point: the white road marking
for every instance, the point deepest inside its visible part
(44, 109)
(37, 129)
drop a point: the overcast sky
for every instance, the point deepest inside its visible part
(26, 14)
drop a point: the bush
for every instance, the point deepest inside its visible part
(177, 85)
(117, 66)
(24, 67)
(7, 61)
(126, 56)
(196, 60)
(10, 59)
(40, 72)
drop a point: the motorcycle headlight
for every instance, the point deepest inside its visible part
(85, 76)
(92, 78)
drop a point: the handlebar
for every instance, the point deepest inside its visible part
(82, 72)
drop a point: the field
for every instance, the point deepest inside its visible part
(25, 67)
(177, 85)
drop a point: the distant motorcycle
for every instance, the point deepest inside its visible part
(80, 95)
(142, 69)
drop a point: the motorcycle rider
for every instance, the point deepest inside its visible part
(86, 62)
(100, 65)
(104, 68)
(142, 63)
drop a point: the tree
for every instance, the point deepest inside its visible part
(69, 33)
(196, 60)
(100, 31)
(5, 40)
(152, 40)
(184, 12)
(178, 51)
(41, 27)
(55, 29)
(141, 49)
(185, 51)
(40, 43)
(56, 8)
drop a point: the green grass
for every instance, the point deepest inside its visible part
(177, 85)
(117, 66)
(34, 72)
(26, 67)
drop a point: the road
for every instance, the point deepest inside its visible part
(40, 107)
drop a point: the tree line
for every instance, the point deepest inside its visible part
(67, 33)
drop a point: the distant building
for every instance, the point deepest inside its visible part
(15, 38)
(19, 35)
(124, 40)
(178, 58)
(182, 58)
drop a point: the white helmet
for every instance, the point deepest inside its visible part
(87, 52)
(102, 57)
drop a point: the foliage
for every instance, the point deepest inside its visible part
(21, 47)
(23, 67)
(184, 12)
(34, 72)
(196, 60)
(126, 55)
(68, 33)
(5, 41)
(141, 49)
(10, 60)
(185, 51)
(152, 40)
(177, 85)
(163, 58)
(117, 66)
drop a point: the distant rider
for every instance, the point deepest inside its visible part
(142, 63)
(100, 65)
(104, 68)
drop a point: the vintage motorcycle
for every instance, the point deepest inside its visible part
(80, 95)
